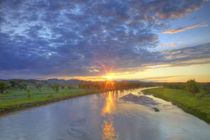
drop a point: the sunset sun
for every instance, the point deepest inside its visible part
(108, 77)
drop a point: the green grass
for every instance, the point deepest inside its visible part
(17, 99)
(196, 105)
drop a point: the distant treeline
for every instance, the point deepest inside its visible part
(116, 85)
(35, 84)
(191, 86)
(57, 84)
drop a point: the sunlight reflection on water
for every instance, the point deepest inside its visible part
(108, 129)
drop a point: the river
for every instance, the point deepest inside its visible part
(103, 117)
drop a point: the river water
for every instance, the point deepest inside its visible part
(103, 117)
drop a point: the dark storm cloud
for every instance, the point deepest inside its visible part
(67, 38)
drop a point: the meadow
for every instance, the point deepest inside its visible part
(16, 99)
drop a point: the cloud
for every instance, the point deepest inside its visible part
(161, 78)
(199, 54)
(78, 38)
(171, 44)
(184, 28)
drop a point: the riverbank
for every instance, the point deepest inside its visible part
(198, 106)
(11, 102)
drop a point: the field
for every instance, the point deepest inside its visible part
(196, 105)
(17, 99)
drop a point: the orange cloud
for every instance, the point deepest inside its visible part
(171, 44)
(183, 29)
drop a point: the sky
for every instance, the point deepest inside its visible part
(149, 40)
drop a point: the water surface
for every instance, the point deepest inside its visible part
(103, 116)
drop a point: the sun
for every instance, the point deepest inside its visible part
(108, 77)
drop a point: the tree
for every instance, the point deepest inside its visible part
(55, 87)
(3, 86)
(13, 83)
(192, 86)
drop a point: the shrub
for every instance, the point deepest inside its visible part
(13, 83)
(3, 86)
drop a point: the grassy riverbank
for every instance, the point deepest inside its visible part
(17, 99)
(16, 94)
(198, 106)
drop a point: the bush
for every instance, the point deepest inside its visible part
(13, 83)
(3, 86)
(192, 86)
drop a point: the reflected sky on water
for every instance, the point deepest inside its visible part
(103, 117)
